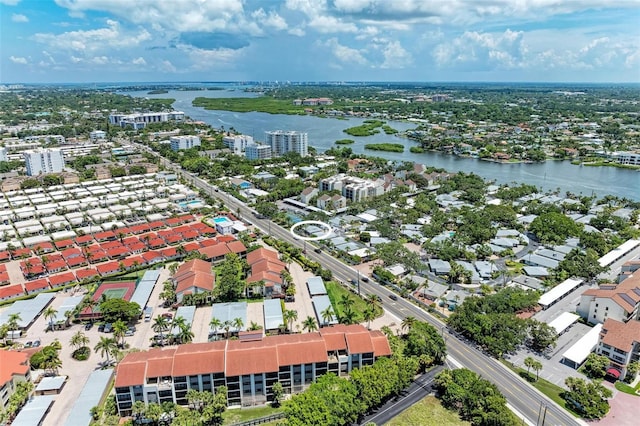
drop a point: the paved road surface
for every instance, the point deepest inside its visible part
(520, 395)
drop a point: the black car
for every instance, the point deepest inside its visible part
(88, 326)
(108, 327)
(393, 297)
(36, 343)
(101, 328)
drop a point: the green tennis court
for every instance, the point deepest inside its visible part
(115, 293)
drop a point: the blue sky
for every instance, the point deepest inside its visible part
(44, 41)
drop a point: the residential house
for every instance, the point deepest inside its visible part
(307, 194)
(14, 369)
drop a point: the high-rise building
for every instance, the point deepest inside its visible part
(282, 142)
(40, 161)
(184, 142)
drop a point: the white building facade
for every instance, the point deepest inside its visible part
(43, 161)
(238, 143)
(282, 142)
(258, 152)
(184, 142)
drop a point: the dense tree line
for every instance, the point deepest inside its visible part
(475, 399)
(492, 323)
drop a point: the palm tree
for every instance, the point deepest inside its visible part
(309, 324)
(408, 323)
(369, 314)
(373, 300)
(90, 303)
(12, 322)
(348, 317)
(160, 326)
(185, 335)
(346, 302)
(49, 314)
(289, 316)
(226, 326)
(119, 330)
(79, 340)
(53, 363)
(238, 324)
(328, 316)
(106, 346)
(215, 325)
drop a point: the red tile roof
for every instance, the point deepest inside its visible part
(250, 358)
(12, 363)
(208, 242)
(64, 243)
(76, 261)
(9, 291)
(198, 357)
(36, 285)
(237, 247)
(83, 239)
(194, 273)
(212, 252)
(71, 252)
(61, 279)
(260, 254)
(86, 273)
(620, 335)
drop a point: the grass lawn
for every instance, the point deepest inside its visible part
(623, 387)
(244, 414)
(336, 291)
(546, 387)
(427, 412)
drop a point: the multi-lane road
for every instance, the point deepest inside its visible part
(528, 401)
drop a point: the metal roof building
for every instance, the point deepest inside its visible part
(34, 412)
(558, 292)
(272, 309)
(186, 312)
(229, 312)
(27, 309)
(145, 287)
(564, 321)
(90, 396)
(576, 354)
(69, 304)
(320, 304)
(316, 287)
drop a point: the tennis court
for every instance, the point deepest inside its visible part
(116, 290)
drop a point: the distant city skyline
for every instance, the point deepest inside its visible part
(88, 41)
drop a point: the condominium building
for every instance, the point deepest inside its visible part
(248, 367)
(3, 153)
(625, 157)
(620, 302)
(14, 368)
(97, 134)
(140, 120)
(282, 142)
(620, 342)
(257, 152)
(184, 142)
(42, 161)
(237, 143)
(353, 188)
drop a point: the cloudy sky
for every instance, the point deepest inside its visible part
(319, 40)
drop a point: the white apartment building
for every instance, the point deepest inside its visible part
(620, 342)
(46, 138)
(625, 157)
(237, 143)
(97, 134)
(611, 301)
(184, 142)
(353, 188)
(257, 152)
(3, 153)
(282, 142)
(42, 161)
(140, 120)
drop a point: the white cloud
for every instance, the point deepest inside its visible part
(181, 16)
(18, 60)
(18, 17)
(10, 2)
(345, 54)
(210, 59)
(139, 61)
(167, 66)
(298, 32)
(89, 41)
(504, 50)
(271, 19)
(395, 56)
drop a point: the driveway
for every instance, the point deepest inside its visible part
(623, 410)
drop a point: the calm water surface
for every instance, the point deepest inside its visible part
(323, 132)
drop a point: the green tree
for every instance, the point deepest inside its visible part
(113, 310)
(309, 324)
(581, 264)
(543, 336)
(160, 325)
(49, 314)
(369, 315)
(424, 339)
(595, 367)
(328, 315)
(528, 362)
(277, 394)
(119, 330)
(79, 340)
(589, 398)
(106, 346)
(554, 228)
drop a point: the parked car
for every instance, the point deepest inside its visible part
(36, 343)
(168, 315)
(28, 344)
(88, 326)
(393, 297)
(101, 328)
(108, 327)
(129, 332)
